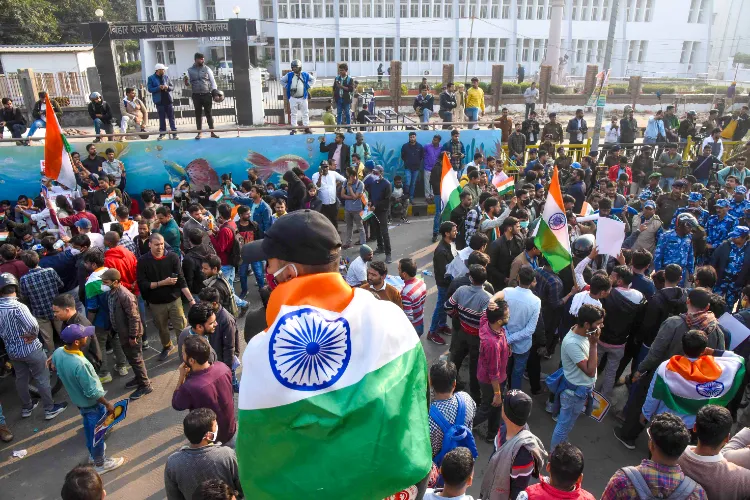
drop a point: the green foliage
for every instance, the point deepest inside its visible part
(62, 101)
(740, 58)
(129, 68)
(56, 21)
(321, 92)
(713, 89)
(619, 89)
(658, 87)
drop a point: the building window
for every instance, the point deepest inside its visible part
(389, 42)
(270, 49)
(632, 50)
(366, 49)
(344, 45)
(519, 10)
(492, 50)
(435, 49)
(378, 54)
(294, 10)
(414, 10)
(495, 9)
(693, 12)
(505, 14)
(320, 50)
(318, 9)
(605, 10)
(574, 12)
(600, 48)
(403, 8)
(537, 47)
(161, 11)
(648, 17)
(694, 52)
(530, 9)
(461, 8)
(424, 50)
(160, 53)
(390, 8)
(447, 49)
(296, 48)
(355, 8)
(642, 51)
(484, 9)
(343, 8)
(413, 49)
(283, 9)
(306, 14)
(284, 48)
(584, 10)
(525, 49)
(638, 11)
(448, 10)
(307, 50)
(331, 50)
(149, 8)
(355, 49)
(426, 9)
(437, 10)
(501, 50)
(366, 9)
(595, 10)
(210, 10)
(481, 49)
(379, 11)
(266, 9)
(404, 49)
(329, 9)
(540, 10)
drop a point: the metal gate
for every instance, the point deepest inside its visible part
(273, 102)
(184, 113)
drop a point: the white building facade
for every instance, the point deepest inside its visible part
(659, 38)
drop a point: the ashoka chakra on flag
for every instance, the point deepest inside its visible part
(308, 352)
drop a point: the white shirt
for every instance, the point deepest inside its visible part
(357, 273)
(97, 240)
(327, 189)
(611, 134)
(337, 156)
(43, 220)
(531, 95)
(710, 140)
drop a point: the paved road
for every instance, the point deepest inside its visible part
(153, 429)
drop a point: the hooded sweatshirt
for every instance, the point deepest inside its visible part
(493, 353)
(123, 260)
(191, 266)
(666, 302)
(624, 308)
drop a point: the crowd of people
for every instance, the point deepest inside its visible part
(81, 265)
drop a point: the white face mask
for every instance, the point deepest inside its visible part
(75, 251)
(105, 288)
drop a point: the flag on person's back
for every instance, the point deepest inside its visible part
(505, 186)
(450, 190)
(686, 386)
(57, 162)
(94, 283)
(552, 233)
(333, 397)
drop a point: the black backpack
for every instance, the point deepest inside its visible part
(235, 253)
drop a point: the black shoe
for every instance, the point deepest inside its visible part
(140, 392)
(292, 132)
(164, 354)
(131, 384)
(243, 310)
(434, 238)
(379, 250)
(627, 443)
(388, 259)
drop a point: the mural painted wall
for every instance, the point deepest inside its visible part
(151, 164)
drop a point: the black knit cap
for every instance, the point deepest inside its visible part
(517, 406)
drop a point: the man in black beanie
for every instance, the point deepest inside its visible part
(520, 454)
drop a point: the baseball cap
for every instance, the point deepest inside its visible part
(575, 164)
(655, 175)
(71, 333)
(678, 184)
(378, 168)
(111, 274)
(649, 204)
(83, 223)
(695, 196)
(517, 406)
(740, 189)
(739, 232)
(722, 203)
(159, 66)
(370, 164)
(303, 237)
(616, 148)
(533, 150)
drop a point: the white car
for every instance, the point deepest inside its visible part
(224, 70)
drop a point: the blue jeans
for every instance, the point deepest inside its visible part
(571, 407)
(35, 126)
(439, 316)
(15, 131)
(99, 125)
(257, 267)
(142, 310)
(519, 366)
(436, 221)
(419, 329)
(472, 114)
(703, 181)
(344, 113)
(228, 272)
(2, 417)
(649, 140)
(666, 184)
(166, 112)
(410, 182)
(91, 417)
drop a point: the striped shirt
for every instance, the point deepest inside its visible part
(17, 321)
(469, 302)
(413, 297)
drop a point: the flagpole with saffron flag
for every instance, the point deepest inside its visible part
(57, 162)
(450, 189)
(552, 237)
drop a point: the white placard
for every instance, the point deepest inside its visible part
(739, 331)
(609, 236)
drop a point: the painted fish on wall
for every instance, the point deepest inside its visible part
(198, 173)
(266, 168)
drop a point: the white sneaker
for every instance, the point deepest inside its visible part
(109, 464)
(122, 370)
(91, 459)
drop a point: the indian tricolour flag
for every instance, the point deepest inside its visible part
(57, 162)
(449, 189)
(333, 398)
(586, 209)
(94, 283)
(552, 232)
(505, 186)
(686, 386)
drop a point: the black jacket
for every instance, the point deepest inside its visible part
(440, 260)
(225, 338)
(436, 176)
(330, 148)
(295, 190)
(103, 109)
(743, 125)
(628, 130)
(447, 101)
(96, 201)
(150, 270)
(191, 267)
(720, 261)
(458, 217)
(528, 127)
(572, 129)
(502, 252)
(623, 316)
(12, 117)
(315, 203)
(685, 129)
(663, 304)
(36, 113)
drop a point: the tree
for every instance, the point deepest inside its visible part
(27, 22)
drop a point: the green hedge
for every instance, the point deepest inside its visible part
(129, 68)
(321, 92)
(654, 88)
(740, 58)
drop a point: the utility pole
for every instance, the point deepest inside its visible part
(469, 46)
(607, 64)
(552, 58)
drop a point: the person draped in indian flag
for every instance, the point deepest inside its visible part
(333, 400)
(685, 384)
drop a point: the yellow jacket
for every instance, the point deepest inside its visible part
(475, 98)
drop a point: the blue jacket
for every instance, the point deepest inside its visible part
(261, 216)
(286, 80)
(160, 97)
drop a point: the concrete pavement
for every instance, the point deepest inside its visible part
(153, 430)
